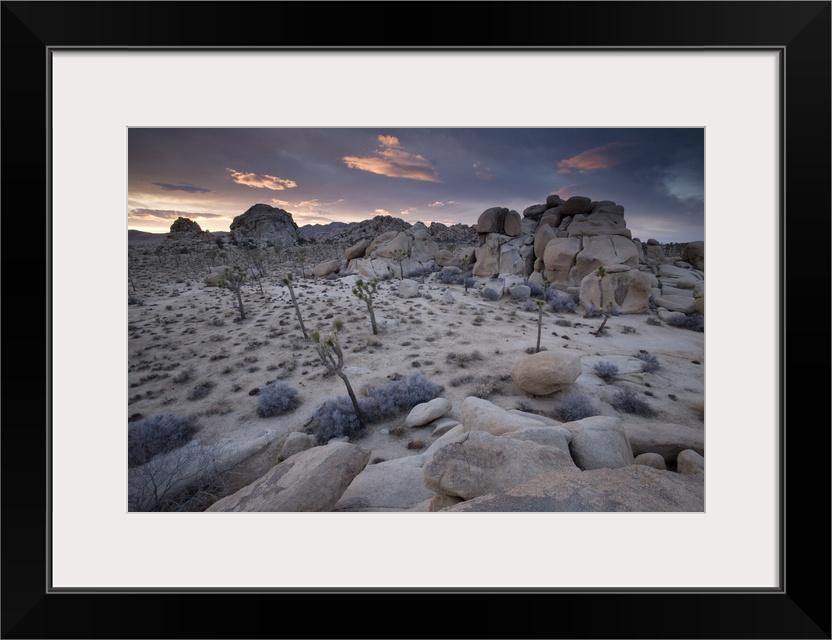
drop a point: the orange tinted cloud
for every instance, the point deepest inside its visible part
(393, 161)
(598, 158)
(261, 182)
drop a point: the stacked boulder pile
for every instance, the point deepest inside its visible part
(563, 243)
(395, 253)
(489, 459)
(560, 243)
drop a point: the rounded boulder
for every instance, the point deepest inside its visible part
(546, 372)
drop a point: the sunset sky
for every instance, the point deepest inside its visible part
(450, 175)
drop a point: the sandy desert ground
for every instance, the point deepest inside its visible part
(189, 353)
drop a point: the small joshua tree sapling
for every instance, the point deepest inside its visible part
(257, 265)
(606, 311)
(399, 255)
(287, 280)
(301, 254)
(540, 304)
(464, 264)
(233, 279)
(364, 291)
(332, 357)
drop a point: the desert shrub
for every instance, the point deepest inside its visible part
(629, 401)
(518, 294)
(149, 437)
(487, 386)
(655, 322)
(649, 362)
(131, 299)
(336, 417)
(693, 322)
(592, 311)
(462, 360)
(560, 301)
(537, 290)
(460, 380)
(275, 399)
(606, 370)
(400, 395)
(490, 294)
(201, 390)
(576, 408)
(450, 277)
(529, 305)
(184, 376)
(563, 322)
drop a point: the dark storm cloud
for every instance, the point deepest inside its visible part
(189, 188)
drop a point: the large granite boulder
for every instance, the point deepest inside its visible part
(323, 269)
(491, 220)
(313, 480)
(605, 250)
(629, 290)
(478, 414)
(599, 442)
(263, 224)
(599, 224)
(635, 488)
(694, 252)
(559, 258)
(185, 225)
(476, 463)
(394, 485)
(576, 205)
(664, 438)
(545, 372)
(357, 250)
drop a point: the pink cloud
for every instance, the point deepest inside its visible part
(261, 182)
(602, 157)
(393, 161)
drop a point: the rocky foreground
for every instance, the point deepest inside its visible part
(490, 459)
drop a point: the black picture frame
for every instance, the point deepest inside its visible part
(800, 608)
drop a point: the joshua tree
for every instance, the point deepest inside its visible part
(332, 357)
(233, 279)
(365, 291)
(287, 280)
(605, 311)
(257, 265)
(302, 259)
(464, 263)
(399, 255)
(540, 304)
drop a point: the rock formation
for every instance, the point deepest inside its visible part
(560, 243)
(491, 459)
(185, 225)
(265, 225)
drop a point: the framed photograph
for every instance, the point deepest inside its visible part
(78, 77)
